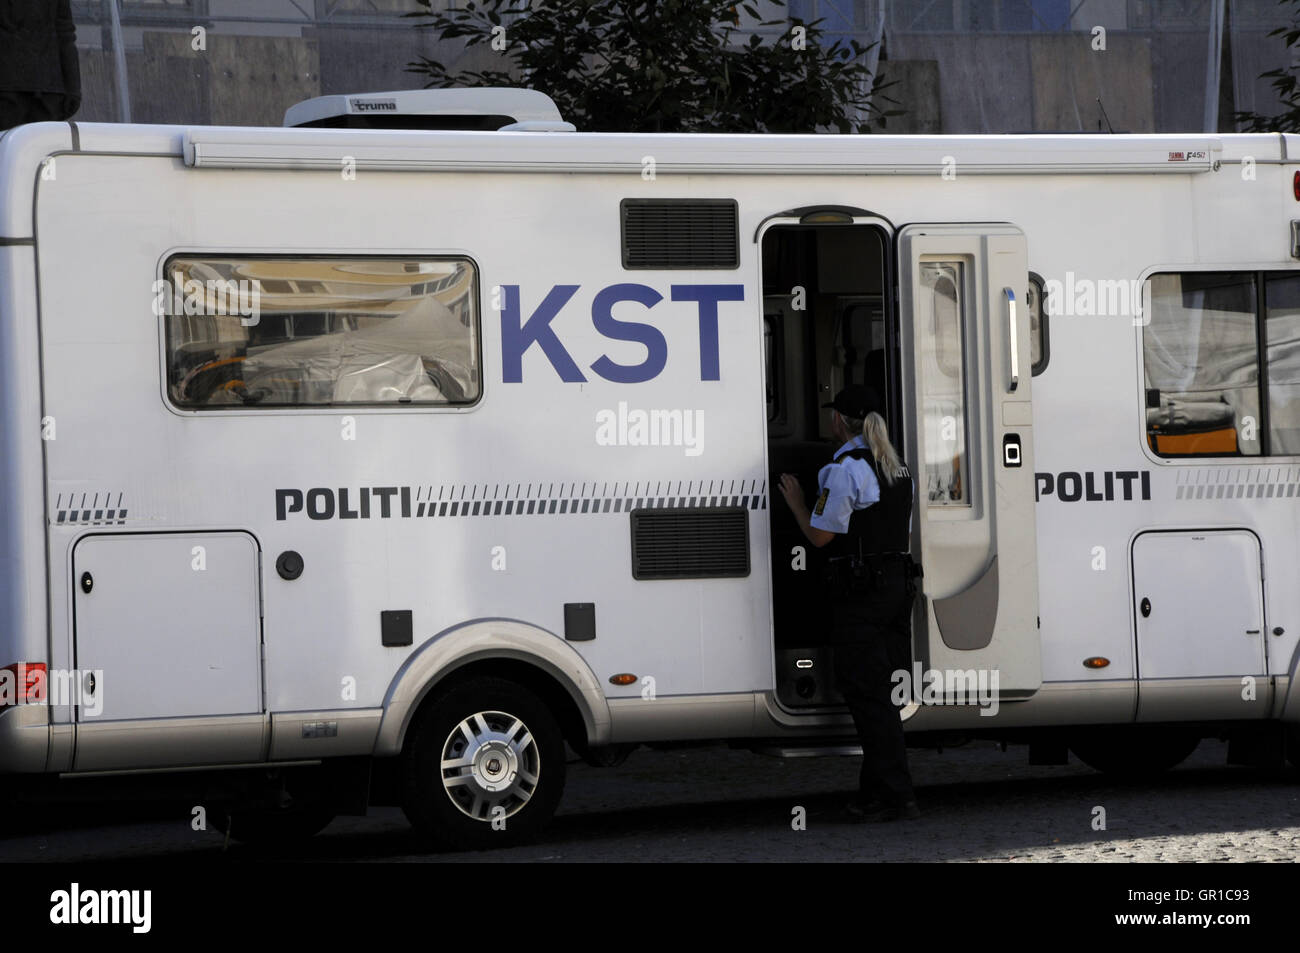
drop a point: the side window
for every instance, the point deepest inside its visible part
(1201, 357)
(316, 332)
(943, 382)
(1039, 343)
(1282, 334)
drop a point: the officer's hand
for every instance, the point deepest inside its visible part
(792, 491)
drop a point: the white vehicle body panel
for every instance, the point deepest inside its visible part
(79, 343)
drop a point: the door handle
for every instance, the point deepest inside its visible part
(1013, 340)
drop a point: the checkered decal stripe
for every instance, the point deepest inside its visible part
(536, 499)
(501, 499)
(1236, 483)
(87, 509)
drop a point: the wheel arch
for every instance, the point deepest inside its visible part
(508, 648)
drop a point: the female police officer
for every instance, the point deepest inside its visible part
(863, 516)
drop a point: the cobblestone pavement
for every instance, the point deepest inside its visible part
(714, 803)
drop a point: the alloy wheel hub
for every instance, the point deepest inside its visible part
(490, 765)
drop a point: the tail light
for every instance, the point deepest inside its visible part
(23, 683)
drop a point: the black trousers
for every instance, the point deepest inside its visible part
(18, 108)
(873, 640)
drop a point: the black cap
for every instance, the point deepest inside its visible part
(856, 401)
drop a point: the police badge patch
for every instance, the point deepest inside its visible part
(821, 503)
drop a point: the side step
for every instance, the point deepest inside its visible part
(786, 750)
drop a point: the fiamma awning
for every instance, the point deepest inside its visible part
(366, 150)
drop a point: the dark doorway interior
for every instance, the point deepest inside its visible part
(826, 307)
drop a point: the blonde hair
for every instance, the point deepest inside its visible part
(876, 434)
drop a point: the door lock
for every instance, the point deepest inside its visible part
(1145, 607)
(87, 582)
(1011, 450)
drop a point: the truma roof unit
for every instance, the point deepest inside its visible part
(509, 109)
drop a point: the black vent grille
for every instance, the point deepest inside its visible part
(680, 233)
(696, 543)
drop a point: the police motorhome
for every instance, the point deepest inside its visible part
(374, 465)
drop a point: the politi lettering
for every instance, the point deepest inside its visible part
(1107, 486)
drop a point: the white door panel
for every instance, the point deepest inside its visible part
(968, 431)
(172, 621)
(1199, 602)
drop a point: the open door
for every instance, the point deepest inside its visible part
(967, 416)
(827, 323)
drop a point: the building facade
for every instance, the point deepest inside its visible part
(961, 66)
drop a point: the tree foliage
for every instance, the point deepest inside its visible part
(1288, 90)
(666, 65)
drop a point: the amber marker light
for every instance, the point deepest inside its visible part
(623, 678)
(826, 217)
(1096, 662)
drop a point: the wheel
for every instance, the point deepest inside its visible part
(1134, 751)
(272, 826)
(483, 766)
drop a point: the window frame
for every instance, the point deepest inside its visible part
(457, 255)
(1259, 273)
(964, 508)
(1044, 336)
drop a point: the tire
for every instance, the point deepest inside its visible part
(609, 756)
(483, 766)
(272, 827)
(1134, 752)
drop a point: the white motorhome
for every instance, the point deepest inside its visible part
(403, 457)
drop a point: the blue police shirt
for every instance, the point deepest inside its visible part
(842, 488)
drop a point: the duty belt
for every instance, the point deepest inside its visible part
(857, 573)
(890, 561)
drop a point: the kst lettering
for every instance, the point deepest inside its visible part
(1094, 487)
(518, 334)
